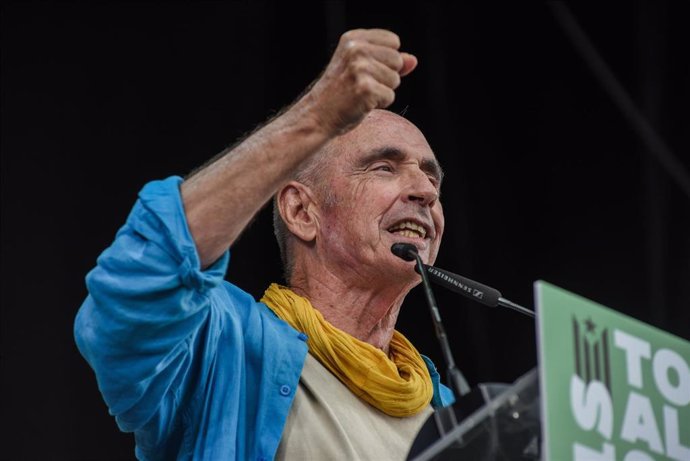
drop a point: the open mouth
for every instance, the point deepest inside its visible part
(408, 229)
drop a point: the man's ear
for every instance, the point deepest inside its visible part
(297, 208)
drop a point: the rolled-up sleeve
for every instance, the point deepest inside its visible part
(148, 299)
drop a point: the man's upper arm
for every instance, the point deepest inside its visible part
(148, 298)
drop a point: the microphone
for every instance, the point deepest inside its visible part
(467, 287)
(456, 379)
(405, 251)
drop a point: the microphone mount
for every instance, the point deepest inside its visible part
(457, 381)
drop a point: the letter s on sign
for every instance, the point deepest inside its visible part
(591, 403)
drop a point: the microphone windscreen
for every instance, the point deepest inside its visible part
(405, 251)
(474, 290)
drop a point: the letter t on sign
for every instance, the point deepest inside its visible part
(635, 350)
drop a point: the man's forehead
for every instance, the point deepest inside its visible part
(385, 135)
(380, 129)
(383, 120)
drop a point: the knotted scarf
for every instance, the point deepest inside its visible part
(398, 384)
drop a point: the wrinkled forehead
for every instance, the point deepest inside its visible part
(382, 129)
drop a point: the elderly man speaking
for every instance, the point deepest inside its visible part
(197, 368)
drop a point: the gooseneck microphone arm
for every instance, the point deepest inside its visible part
(516, 307)
(457, 380)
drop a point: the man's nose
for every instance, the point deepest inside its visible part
(421, 189)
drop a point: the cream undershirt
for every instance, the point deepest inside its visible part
(328, 422)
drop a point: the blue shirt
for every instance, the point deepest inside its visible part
(190, 363)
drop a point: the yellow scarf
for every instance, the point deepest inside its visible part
(398, 386)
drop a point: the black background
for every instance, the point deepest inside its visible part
(545, 179)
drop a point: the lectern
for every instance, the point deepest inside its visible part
(608, 387)
(494, 422)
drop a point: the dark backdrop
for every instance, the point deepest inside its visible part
(545, 180)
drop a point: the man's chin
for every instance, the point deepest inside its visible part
(404, 272)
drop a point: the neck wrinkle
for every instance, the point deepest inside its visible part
(369, 314)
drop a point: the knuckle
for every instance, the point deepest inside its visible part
(347, 46)
(361, 86)
(387, 98)
(395, 40)
(349, 51)
(398, 61)
(355, 49)
(358, 66)
(388, 36)
(396, 80)
(350, 35)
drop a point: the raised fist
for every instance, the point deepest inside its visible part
(362, 75)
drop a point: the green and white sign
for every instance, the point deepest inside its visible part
(612, 387)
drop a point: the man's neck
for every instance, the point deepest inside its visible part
(367, 311)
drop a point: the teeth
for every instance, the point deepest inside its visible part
(409, 229)
(407, 233)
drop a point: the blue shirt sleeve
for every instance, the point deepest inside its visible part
(443, 396)
(148, 298)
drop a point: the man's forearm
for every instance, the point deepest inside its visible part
(221, 199)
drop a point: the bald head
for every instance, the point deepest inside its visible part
(376, 123)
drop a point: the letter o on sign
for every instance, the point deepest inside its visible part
(678, 394)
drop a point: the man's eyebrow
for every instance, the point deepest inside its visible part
(433, 168)
(428, 165)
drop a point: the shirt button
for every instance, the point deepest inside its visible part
(303, 336)
(284, 389)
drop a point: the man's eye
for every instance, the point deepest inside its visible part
(384, 167)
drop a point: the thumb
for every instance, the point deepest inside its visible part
(409, 64)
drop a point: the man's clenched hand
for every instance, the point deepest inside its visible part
(362, 75)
